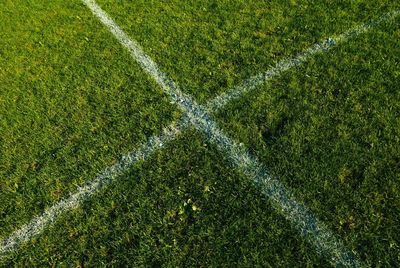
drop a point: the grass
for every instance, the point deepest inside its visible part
(331, 130)
(71, 104)
(208, 47)
(72, 101)
(193, 211)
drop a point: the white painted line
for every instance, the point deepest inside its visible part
(39, 223)
(353, 32)
(282, 66)
(301, 217)
(136, 51)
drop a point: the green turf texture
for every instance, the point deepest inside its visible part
(183, 207)
(70, 104)
(72, 101)
(331, 130)
(209, 46)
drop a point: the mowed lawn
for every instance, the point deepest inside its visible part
(72, 101)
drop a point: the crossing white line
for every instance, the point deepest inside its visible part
(301, 217)
(237, 154)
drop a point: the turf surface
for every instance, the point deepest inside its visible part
(331, 130)
(70, 105)
(193, 211)
(209, 46)
(72, 101)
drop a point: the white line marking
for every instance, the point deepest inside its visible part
(37, 224)
(302, 218)
(49, 216)
(281, 199)
(282, 66)
(134, 48)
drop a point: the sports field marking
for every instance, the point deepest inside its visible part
(301, 217)
(281, 199)
(108, 175)
(282, 66)
(134, 48)
(38, 224)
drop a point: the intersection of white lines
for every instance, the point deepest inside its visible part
(301, 217)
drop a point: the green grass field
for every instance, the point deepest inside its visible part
(73, 101)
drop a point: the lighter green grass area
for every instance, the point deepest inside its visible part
(184, 207)
(331, 131)
(70, 104)
(209, 46)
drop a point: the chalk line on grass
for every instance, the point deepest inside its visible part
(282, 66)
(134, 48)
(300, 216)
(353, 32)
(37, 224)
